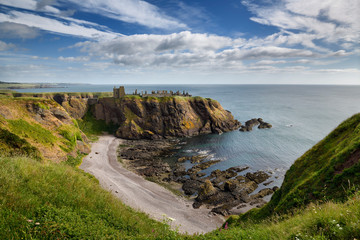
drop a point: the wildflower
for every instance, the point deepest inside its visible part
(337, 225)
(29, 220)
(340, 228)
(334, 221)
(171, 219)
(37, 224)
(226, 226)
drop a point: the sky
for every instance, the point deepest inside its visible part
(180, 41)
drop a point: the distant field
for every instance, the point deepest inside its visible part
(4, 85)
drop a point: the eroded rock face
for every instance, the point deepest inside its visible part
(157, 118)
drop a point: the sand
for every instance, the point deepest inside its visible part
(142, 195)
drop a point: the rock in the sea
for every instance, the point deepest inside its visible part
(258, 177)
(197, 158)
(265, 125)
(254, 122)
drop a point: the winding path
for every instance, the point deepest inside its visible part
(142, 195)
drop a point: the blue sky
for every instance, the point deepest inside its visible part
(173, 41)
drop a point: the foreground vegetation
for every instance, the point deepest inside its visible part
(56, 201)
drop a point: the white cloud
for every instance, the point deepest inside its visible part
(30, 5)
(185, 49)
(56, 26)
(6, 46)
(329, 21)
(74, 59)
(14, 30)
(131, 11)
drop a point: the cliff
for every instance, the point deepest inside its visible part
(156, 118)
(328, 171)
(40, 128)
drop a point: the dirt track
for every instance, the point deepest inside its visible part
(143, 195)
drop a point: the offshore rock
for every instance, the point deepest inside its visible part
(158, 118)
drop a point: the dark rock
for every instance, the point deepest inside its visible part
(275, 188)
(241, 206)
(218, 131)
(267, 183)
(179, 171)
(202, 166)
(238, 169)
(206, 190)
(221, 210)
(245, 129)
(182, 159)
(265, 125)
(258, 177)
(251, 123)
(191, 187)
(200, 174)
(196, 205)
(263, 192)
(197, 158)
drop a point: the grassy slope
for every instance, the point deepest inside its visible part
(326, 221)
(21, 131)
(56, 201)
(314, 176)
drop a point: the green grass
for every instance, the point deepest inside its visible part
(71, 134)
(12, 145)
(93, 128)
(56, 201)
(33, 131)
(326, 221)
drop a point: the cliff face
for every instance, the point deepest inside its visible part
(154, 118)
(39, 127)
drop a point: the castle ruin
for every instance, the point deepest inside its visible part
(120, 92)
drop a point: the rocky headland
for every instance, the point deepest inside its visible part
(166, 117)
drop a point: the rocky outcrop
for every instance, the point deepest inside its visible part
(254, 122)
(157, 118)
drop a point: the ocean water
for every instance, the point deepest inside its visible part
(301, 116)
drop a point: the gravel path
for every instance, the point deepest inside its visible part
(142, 195)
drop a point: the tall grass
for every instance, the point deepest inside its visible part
(326, 221)
(56, 201)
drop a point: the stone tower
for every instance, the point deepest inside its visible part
(119, 92)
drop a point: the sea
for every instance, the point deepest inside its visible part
(301, 115)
